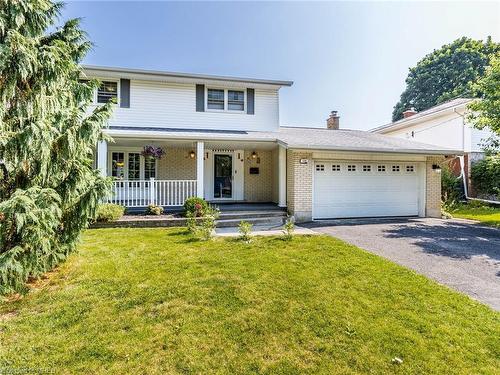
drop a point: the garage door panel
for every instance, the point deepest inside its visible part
(368, 193)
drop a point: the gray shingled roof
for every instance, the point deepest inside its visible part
(437, 108)
(352, 140)
(297, 138)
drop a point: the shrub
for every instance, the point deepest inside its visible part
(485, 175)
(191, 225)
(205, 228)
(288, 229)
(195, 207)
(245, 228)
(109, 212)
(451, 186)
(153, 209)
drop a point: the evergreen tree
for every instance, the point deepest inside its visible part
(445, 74)
(48, 187)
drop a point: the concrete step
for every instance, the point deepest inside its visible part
(243, 215)
(269, 220)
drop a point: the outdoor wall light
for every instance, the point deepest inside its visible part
(254, 155)
(436, 168)
(192, 154)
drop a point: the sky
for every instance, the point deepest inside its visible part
(352, 57)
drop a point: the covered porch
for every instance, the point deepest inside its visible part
(220, 171)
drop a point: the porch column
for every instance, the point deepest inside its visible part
(200, 151)
(281, 176)
(102, 157)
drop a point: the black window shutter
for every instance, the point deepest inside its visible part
(200, 98)
(250, 101)
(125, 93)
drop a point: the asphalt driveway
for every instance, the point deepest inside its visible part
(456, 253)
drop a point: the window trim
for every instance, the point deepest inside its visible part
(126, 151)
(106, 79)
(226, 100)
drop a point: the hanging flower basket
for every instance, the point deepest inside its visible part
(153, 151)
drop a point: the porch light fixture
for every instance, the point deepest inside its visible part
(192, 154)
(254, 155)
(436, 168)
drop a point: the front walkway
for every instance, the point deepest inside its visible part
(456, 253)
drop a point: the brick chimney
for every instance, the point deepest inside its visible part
(332, 122)
(409, 112)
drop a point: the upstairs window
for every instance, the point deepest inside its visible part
(235, 100)
(107, 91)
(215, 99)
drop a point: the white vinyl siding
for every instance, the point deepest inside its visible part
(172, 105)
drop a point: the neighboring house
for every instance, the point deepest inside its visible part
(223, 142)
(445, 126)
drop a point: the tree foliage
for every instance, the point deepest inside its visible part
(445, 73)
(485, 113)
(48, 187)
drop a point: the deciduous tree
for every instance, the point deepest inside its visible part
(445, 73)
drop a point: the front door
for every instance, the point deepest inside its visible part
(223, 176)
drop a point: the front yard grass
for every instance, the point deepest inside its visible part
(485, 214)
(154, 301)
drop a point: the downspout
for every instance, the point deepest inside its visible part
(461, 158)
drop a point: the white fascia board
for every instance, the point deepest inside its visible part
(162, 76)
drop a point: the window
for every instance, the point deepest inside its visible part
(235, 100)
(410, 168)
(367, 168)
(107, 91)
(134, 165)
(320, 167)
(381, 168)
(351, 168)
(335, 167)
(149, 168)
(117, 165)
(395, 168)
(215, 99)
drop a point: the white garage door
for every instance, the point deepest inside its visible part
(358, 189)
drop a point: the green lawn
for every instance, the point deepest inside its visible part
(154, 301)
(485, 214)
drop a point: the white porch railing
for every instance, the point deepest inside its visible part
(141, 193)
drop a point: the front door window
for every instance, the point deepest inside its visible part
(223, 176)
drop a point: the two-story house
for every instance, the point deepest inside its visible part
(444, 125)
(221, 140)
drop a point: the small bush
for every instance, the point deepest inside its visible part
(205, 229)
(288, 229)
(154, 210)
(108, 212)
(195, 207)
(451, 186)
(191, 225)
(485, 175)
(245, 228)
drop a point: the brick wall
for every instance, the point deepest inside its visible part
(177, 165)
(299, 185)
(433, 188)
(259, 187)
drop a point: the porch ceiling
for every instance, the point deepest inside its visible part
(226, 145)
